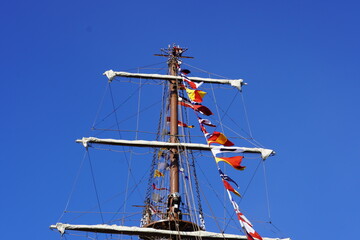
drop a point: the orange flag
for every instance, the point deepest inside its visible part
(235, 162)
(218, 137)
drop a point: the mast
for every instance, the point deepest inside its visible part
(174, 197)
(173, 217)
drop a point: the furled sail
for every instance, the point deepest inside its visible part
(110, 74)
(265, 153)
(150, 232)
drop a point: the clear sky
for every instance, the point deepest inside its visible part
(300, 59)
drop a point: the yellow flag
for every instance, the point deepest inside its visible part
(195, 95)
(157, 173)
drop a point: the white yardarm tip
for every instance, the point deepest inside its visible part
(110, 74)
(237, 83)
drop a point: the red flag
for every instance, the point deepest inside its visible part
(199, 108)
(202, 109)
(218, 137)
(235, 162)
(156, 188)
(230, 188)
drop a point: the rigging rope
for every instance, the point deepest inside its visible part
(204, 71)
(113, 103)
(131, 116)
(217, 196)
(252, 177)
(246, 115)
(128, 161)
(131, 153)
(266, 191)
(73, 187)
(146, 66)
(155, 155)
(100, 105)
(94, 183)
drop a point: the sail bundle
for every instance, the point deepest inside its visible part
(237, 83)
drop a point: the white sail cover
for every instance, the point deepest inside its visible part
(265, 153)
(237, 83)
(115, 229)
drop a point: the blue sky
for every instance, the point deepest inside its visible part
(300, 59)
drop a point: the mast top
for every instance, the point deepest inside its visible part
(174, 51)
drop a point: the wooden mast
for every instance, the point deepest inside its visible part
(173, 219)
(174, 197)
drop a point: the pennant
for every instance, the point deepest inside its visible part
(235, 162)
(202, 109)
(217, 150)
(251, 233)
(193, 85)
(218, 137)
(195, 95)
(199, 108)
(247, 226)
(156, 188)
(226, 177)
(244, 222)
(203, 129)
(180, 124)
(157, 173)
(206, 122)
(230, 188)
